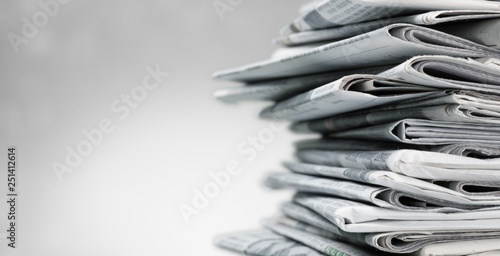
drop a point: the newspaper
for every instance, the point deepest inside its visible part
(415, 198)
(448, 73)
(377, 195)
(449, 105)
(350, 93)
(263, 243)
(481, 151)
(392, 44)
(463, 193)
(482, 31)
(348, 145)
(413, 163)
(332, 13)
(485, 247)
(427, 132)
(438, 72)
(304, 215)
(467, 149)
(280, 89)
(320, 243)
(358, 217)
(283, 52)
(392, 242)
(490, 62)
(472, 188)
(425, 19)
(317, 230)
(491, 253)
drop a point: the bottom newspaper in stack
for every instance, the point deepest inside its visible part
(359, 202)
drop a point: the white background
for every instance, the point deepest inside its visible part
(123, 198)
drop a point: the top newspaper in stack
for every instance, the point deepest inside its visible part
(333, 13)
(479, 26)
(392, 44)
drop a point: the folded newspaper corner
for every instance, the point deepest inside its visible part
(405, 96)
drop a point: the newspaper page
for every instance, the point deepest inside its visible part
(490, 62)
(468, 150)
(305, 215)
(357, 217)
(448, 73)
(413, 163)
(303, 226)
(473, 188)
(350, 93)
(392, 242)
(484, 32)
(490, 253)
(332, 13)
(283, 52)
(482, 151)
(452, 105)
(447, 113)
(425, 19)
(461, 192)
(332, 144)
(461, 97)
(345, 189)
(431, 201)
(392, 44)
(454, 73)
(280, 89)
(475, 247)
(263, 243)
(380, 196)
(426, 132)
(322, 244)
(411, 241)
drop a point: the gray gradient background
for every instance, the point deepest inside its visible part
(123, 199)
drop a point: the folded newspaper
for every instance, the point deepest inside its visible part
(481, 151)
(424, 73)
(300, 218)
(318, 242)
(427, 132)
(484, 32)
(435, 200)
(392, 44)
(357, 217)
(448, 105)
(350, 93)
(482, 247)
(461, 26)
(413, 163)
(332, 13)
(281, 89)
(461, 192)
(263, 243)
(448, 73)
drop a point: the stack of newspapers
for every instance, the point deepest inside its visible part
(405, 98)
